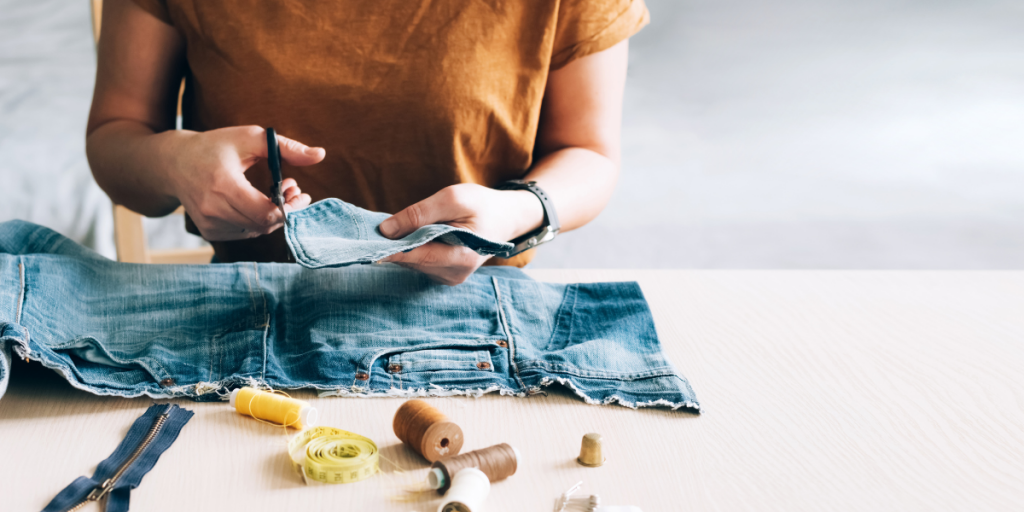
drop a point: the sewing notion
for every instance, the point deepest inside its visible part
(333, 456)
(427, 431)
(469, 489)
(591, 451)
(276, 408)
(498, 462)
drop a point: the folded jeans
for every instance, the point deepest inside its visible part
(379, 330)
(333, 233)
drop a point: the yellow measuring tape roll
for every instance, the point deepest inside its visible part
(333, 456)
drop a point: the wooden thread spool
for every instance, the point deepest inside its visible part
(498, 462)
(427, 431)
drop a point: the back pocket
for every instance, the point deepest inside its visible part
(445, 359)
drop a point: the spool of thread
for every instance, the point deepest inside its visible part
(468, 492)
(498, 462)
(274, 408)
(427, 431)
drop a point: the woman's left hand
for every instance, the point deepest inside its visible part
(495, 214)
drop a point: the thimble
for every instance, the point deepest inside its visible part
(590, 452)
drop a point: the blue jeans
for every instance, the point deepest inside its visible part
(373, 330)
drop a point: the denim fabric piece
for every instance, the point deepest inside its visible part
(376, 330)
(333, 233)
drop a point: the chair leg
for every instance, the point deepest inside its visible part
(129, 237)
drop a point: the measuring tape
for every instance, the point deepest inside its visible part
(333, 456)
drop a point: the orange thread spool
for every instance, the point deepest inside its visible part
(427, 431)
(498, 462)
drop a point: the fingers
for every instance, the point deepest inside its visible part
(292, 151)
(297, 203)
(250, 202)
(297, 153)
(220, 222)
(443, 263)
(294, 199)
(444, 206)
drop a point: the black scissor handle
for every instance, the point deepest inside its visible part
(274, 157)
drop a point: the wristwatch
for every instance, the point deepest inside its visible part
(548, 229)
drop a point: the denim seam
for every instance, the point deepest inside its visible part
(574, 371)
(363, 233)
(508, 332)
(561, 317)
(248, 284)
(266, 318)
(297, 244)
(213, 355)
(21, 291)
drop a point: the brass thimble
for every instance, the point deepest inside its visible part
(591, 454)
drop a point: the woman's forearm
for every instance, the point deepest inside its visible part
(129, 162)
(579, 182)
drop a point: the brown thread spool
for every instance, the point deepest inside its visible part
(498, 462)
(427, 431)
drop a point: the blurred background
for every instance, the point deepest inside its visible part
(784, 134)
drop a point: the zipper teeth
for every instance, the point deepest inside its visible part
(108, 484)
(157, 425)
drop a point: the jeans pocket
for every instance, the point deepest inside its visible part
(562, 334)
(96, 366)
(443, 359)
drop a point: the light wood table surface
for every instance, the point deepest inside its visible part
(828, 390)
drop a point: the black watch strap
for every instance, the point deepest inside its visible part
(548, 229)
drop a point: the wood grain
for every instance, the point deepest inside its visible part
(822, 391)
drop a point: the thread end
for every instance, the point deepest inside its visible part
(308, 416)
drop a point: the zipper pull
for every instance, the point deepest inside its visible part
(100, 491)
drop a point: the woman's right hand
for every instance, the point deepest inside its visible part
(144, 164)
(207, 175)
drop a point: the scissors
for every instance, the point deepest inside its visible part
(274, 159)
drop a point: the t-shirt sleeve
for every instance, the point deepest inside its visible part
(589, 26)
(157, 8)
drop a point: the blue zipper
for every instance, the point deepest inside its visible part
(150, 435)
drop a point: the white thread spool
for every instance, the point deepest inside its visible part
(469, 489)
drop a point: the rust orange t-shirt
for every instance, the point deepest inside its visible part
(406, 96)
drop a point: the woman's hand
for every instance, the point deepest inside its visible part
(207, 175)
(495, 214)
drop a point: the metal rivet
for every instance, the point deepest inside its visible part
(167, 382)
(394, 368)
(483, 365)
(502, 343)
(362, 376)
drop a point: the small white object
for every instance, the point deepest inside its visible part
(309, 416)
(563, 500)
(435, 478)
(234, 393)
(468, 491)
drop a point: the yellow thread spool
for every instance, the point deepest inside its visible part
(279, 409)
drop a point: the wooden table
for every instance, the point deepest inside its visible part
(822, 391)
